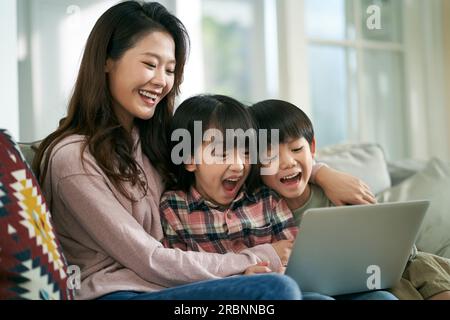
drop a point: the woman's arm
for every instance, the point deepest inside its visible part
(94, 206)
(340, 187)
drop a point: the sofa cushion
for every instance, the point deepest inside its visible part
(401, 170)
(431, 183)
(32, 264)
(365, 161)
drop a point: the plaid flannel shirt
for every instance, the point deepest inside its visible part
(192, 223)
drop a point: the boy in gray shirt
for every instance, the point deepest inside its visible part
(426, 276)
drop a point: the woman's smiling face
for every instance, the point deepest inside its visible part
(142, 77)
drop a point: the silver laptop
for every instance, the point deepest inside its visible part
(351, 249)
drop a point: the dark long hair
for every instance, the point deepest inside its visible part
(215, 112)
(90, 110)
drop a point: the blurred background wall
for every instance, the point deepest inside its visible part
(364, 70)
(446, 14)
(9, 108)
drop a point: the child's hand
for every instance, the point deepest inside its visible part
(283, 248)
(342, 188)
(260, 267)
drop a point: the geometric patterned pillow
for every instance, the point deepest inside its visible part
(32, 265)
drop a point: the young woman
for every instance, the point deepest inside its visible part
(104, 169)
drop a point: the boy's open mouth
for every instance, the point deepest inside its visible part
(230, 184)
(293, 178)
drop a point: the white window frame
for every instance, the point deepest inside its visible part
(424, 77)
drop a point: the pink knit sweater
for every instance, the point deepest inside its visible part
(116, 242)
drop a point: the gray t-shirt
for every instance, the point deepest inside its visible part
(317, 199)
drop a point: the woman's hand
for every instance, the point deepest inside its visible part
(260, 267)
(283, 248)
(342, 188)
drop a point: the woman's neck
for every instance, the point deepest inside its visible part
(125, 119)
(300, 201)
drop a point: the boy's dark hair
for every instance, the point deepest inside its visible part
(290, 120)
(215, 112)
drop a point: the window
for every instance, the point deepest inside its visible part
(356, 75)
(234, 48)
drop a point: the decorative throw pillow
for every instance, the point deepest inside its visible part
(32, 265)
(431, 183)
(365, 161)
